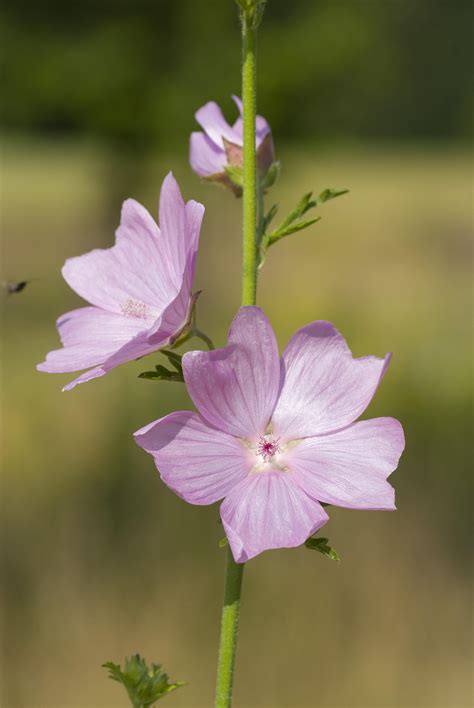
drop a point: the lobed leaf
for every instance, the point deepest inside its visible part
(144, 684)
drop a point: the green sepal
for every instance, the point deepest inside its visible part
(252, 11)
(144, 684)
(235, 175)
(223, 542)
(322, 545)
(270, 176)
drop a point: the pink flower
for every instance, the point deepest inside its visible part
(221, 145)
(275, 437)
(139, 290)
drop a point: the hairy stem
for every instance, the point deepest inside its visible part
(250, 198)
(229, 627)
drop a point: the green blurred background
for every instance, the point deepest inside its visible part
(100, 559)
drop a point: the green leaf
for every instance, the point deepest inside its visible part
(291, 229)
(268, 218)
(144, 684)
(322, 545)
(174, 359)
(294, 221)
(161, 373)
(328, 194)
(301, 208)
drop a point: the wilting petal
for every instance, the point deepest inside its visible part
(235, 388)
(198, 462)
(210, 118)
(349, 468)
(205, 157)
(267, 510)
(90, 335)
(324, 387)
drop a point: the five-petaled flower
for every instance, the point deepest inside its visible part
(275, 437)
(221, 145)
(139, 290)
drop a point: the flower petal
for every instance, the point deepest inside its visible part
(145, 267)
(349, 468)
(95, 373)
(89, 335)
(267, 510)
(205, 157)
(235, 388)
(324, 388)
(210, 118)
(180, 224)
(198, 462)
(110, 278)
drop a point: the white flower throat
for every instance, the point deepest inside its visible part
(269, 454)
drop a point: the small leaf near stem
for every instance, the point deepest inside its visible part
(294, 221)
(144, 684)
(161, 373)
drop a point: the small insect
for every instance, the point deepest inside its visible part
(14, 286)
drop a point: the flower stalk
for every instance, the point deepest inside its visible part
(229, 628)
(250, 195)
(250, 200)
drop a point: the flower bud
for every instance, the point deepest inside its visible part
(217, 153)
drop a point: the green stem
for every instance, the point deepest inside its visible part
(203, 336)
(250, 198)
(229, 627)
(249, 274)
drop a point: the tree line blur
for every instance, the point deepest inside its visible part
(133, 73)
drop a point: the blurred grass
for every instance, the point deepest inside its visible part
(100, 559)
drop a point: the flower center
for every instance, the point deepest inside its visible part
(134, 308)
(267, 447)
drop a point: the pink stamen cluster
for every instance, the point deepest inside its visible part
(267, 447)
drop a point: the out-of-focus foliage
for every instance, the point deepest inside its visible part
(118, 69)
